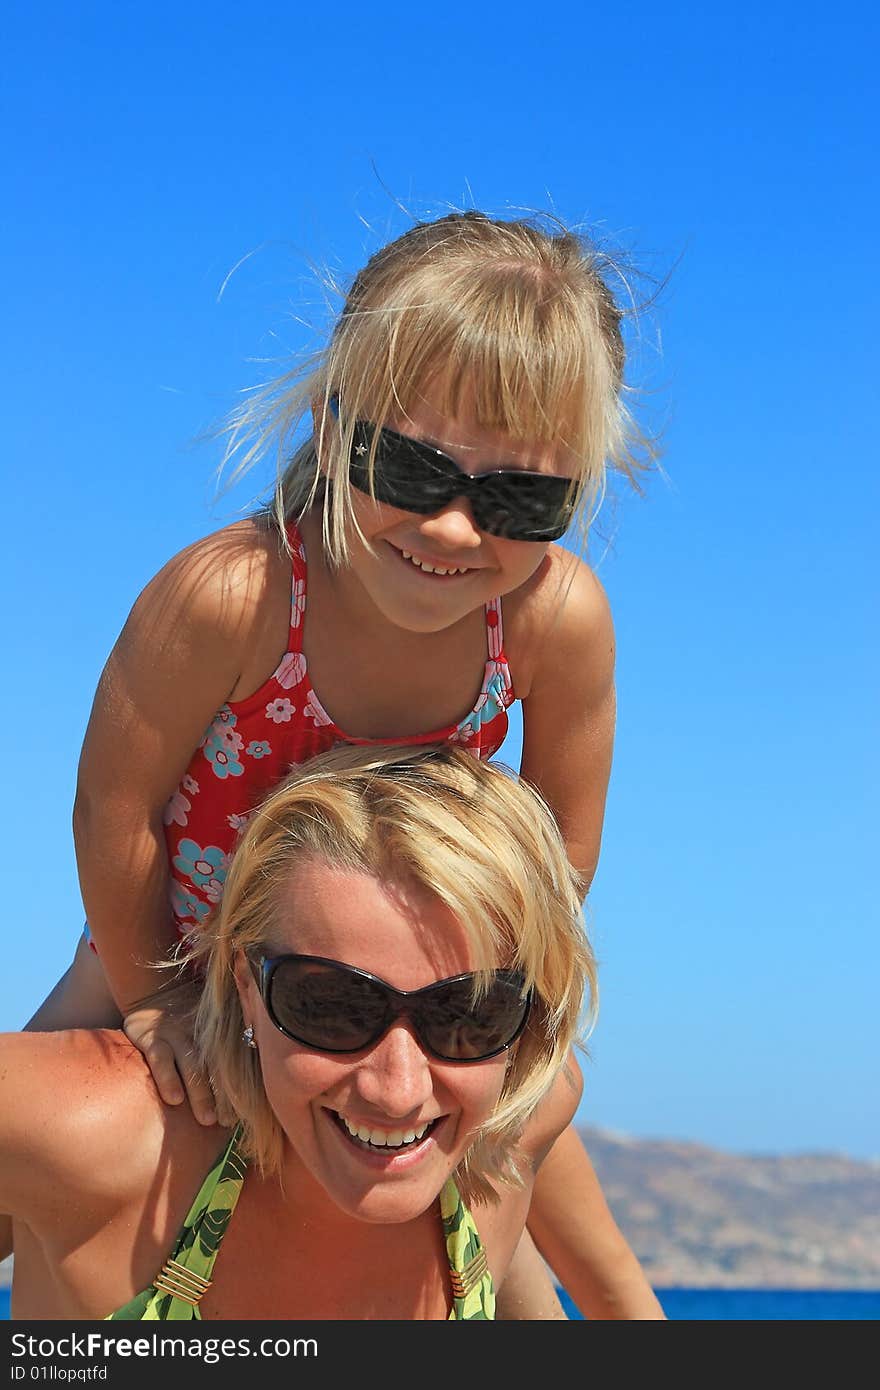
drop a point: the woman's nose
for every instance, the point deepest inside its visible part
(453, 527)
(395, 1078)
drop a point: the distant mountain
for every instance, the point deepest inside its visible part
(701, 1218)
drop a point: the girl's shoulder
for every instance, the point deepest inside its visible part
(560, 616)
(214, 614)
(226, 576)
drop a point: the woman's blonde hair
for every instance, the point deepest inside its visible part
(518, 319)
(482, 842)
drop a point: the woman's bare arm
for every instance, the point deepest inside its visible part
(528, 1292)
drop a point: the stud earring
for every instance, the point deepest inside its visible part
(248, 1037)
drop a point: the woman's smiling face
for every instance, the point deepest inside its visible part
(380, 1130)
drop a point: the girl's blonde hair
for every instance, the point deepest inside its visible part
(519, 321)
(484, 844)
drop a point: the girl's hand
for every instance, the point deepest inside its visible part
(162, 1030)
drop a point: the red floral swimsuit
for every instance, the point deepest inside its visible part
(251, 744)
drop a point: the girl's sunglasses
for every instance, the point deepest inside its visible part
(416, 477)
(336, 1008)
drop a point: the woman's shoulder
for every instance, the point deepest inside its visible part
(84, 1133)
(554, 1113)
(57, 1087)
(501, 1222)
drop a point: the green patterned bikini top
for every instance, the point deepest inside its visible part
(175, 1293)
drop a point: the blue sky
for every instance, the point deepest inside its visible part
(146, 152)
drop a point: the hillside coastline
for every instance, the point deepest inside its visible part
(699, 1217)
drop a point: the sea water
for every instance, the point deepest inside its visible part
(762, 1305)
(737, 1305)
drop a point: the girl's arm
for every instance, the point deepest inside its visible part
(573, 1228)
(571, 1223)
(568, 737)
(570, 707)
(177, 660)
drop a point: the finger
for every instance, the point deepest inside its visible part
(160, 1059)
(201, 1097)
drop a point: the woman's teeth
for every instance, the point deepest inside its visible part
(382, 1138)
(429, 569)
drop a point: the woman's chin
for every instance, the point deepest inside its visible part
(384, 1183)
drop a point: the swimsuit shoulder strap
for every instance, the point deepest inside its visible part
(495, 630)
(298, 587)
(473, 1293)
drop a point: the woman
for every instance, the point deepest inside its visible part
(390, 986)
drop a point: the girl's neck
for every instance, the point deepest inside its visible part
(374, 678)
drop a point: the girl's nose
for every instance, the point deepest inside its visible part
(454, 527)
(395, 1078)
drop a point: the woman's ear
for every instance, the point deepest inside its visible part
(245, 984)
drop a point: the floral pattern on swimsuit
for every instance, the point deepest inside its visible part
(251, 744)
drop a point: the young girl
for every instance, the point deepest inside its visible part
(404, 586)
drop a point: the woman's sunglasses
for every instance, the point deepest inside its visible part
(416, 477)
(336, 1008)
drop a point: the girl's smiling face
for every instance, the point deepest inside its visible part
(425, 573)
(378, 1131)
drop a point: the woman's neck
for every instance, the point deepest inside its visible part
(319, 1262)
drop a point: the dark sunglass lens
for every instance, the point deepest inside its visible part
(412, 475)
(325, 1007)
(462, 1027)
(406, 473)
(521, 506)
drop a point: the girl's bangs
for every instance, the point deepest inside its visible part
(529, 401)
(511, 356)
